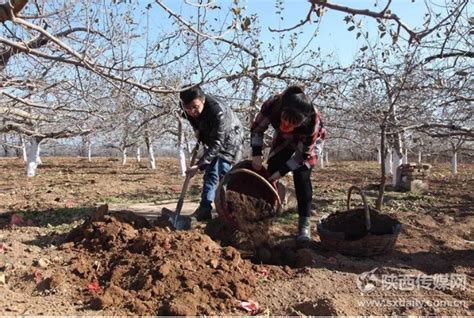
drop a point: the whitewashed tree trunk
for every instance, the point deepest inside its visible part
(405, 157)
(454, 162)
(397, 161)
(388, 163)
(189, 146)
(150, 150)
(419, 156)
(124, 156)
(321, 161)
(182, 161)
(379, 156)
(23, 148)
(32, 154)
(38, 157)
(181, 146)
(138, 154)
(327, 157)
(89, 151)
(151, 157)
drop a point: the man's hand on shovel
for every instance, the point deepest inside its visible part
(191, 172)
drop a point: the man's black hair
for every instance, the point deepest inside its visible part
(190, 94)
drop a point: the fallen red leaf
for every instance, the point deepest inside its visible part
(93, 287)
(16, 219)
(263, 272)
(176, 190)
(167, 245)
(37, 275)
(250, 306)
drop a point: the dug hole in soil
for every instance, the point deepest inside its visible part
(148, 269)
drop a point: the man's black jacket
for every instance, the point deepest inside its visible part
(220, 130)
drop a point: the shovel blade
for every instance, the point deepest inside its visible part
(181, 223)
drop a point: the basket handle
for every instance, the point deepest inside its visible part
(364, 200)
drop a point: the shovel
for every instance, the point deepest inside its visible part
(181, 223)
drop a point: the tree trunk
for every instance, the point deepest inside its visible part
(383, 166)
(89, 151)
(32, 156)
(454, 162)
(405, 157)
(151, 158)
(419, 156)
(397, 161)
(138, 154)
(38, 157)
(327, 157)
(379, 156)
(124, 156)
(388, 162)
(151, 152)
(253, 110)
(23, 147)
(181, 146)
(321, 161)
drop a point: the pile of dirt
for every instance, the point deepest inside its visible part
(352, 223)
(147, 269)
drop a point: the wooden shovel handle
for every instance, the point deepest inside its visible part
(180, 203)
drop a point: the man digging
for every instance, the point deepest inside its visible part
(299, 133)
(217, 127)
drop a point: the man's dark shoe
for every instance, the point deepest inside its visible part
(202, 214)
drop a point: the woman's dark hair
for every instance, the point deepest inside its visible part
(190, 94)
(292, 117)
(295, 105)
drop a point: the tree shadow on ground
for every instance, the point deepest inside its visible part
(149, 195)
(429, 262)
(48, 218)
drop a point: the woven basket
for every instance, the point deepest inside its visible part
(364, 239)
(242, 179)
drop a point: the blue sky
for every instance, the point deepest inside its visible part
(333, 36)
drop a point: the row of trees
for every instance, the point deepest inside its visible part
(110, 74)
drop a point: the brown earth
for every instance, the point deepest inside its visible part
(121, 264)
(146, 269)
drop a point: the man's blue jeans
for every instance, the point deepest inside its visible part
(213, 173)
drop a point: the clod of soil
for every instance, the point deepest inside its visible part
(152, 270)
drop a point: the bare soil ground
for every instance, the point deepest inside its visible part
(60, 255)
